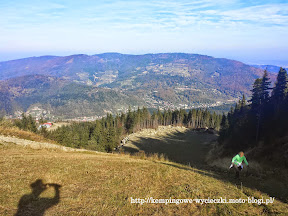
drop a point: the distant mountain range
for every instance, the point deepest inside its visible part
(82, 85)
(270, 68)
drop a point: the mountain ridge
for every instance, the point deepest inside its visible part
(163, 80)
(269, 68)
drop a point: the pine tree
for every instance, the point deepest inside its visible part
(160, 117)
(154, 119)
(189, 119)
(146, 117)
(230, 116)
(256, 94)
(224, 127)
(24, 121)
(280, 89)
(31, 124)
(130, 121)
(265, 87)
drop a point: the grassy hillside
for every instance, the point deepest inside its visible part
(191, 147)
(7, 128)
(103, 184)
(179, 144)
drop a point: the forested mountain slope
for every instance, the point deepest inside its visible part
(167, 80)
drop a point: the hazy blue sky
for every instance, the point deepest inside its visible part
(251, 31)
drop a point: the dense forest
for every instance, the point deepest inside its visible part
(106, 134)
(263, 121)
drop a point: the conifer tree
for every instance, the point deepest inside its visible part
(31, 124)
(189, 118)
(224, 125)
(265, 87)
(160, 117)
(256, 94)
(280, 89)
(130, 121)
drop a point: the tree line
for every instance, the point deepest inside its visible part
(262, 119)
(27, 123)
(107, 133)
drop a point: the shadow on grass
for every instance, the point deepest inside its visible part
(32, 204)
(191, 148)
(186, 148)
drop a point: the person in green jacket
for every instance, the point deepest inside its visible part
(237, 163)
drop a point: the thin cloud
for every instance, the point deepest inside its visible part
(183, 14)
(137, 25)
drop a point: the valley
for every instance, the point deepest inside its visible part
(88, 87)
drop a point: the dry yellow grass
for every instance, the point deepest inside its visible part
(102, 184)
(16, 132)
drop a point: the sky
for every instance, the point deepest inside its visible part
(254, 32)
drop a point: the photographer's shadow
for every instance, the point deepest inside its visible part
(32, 204)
